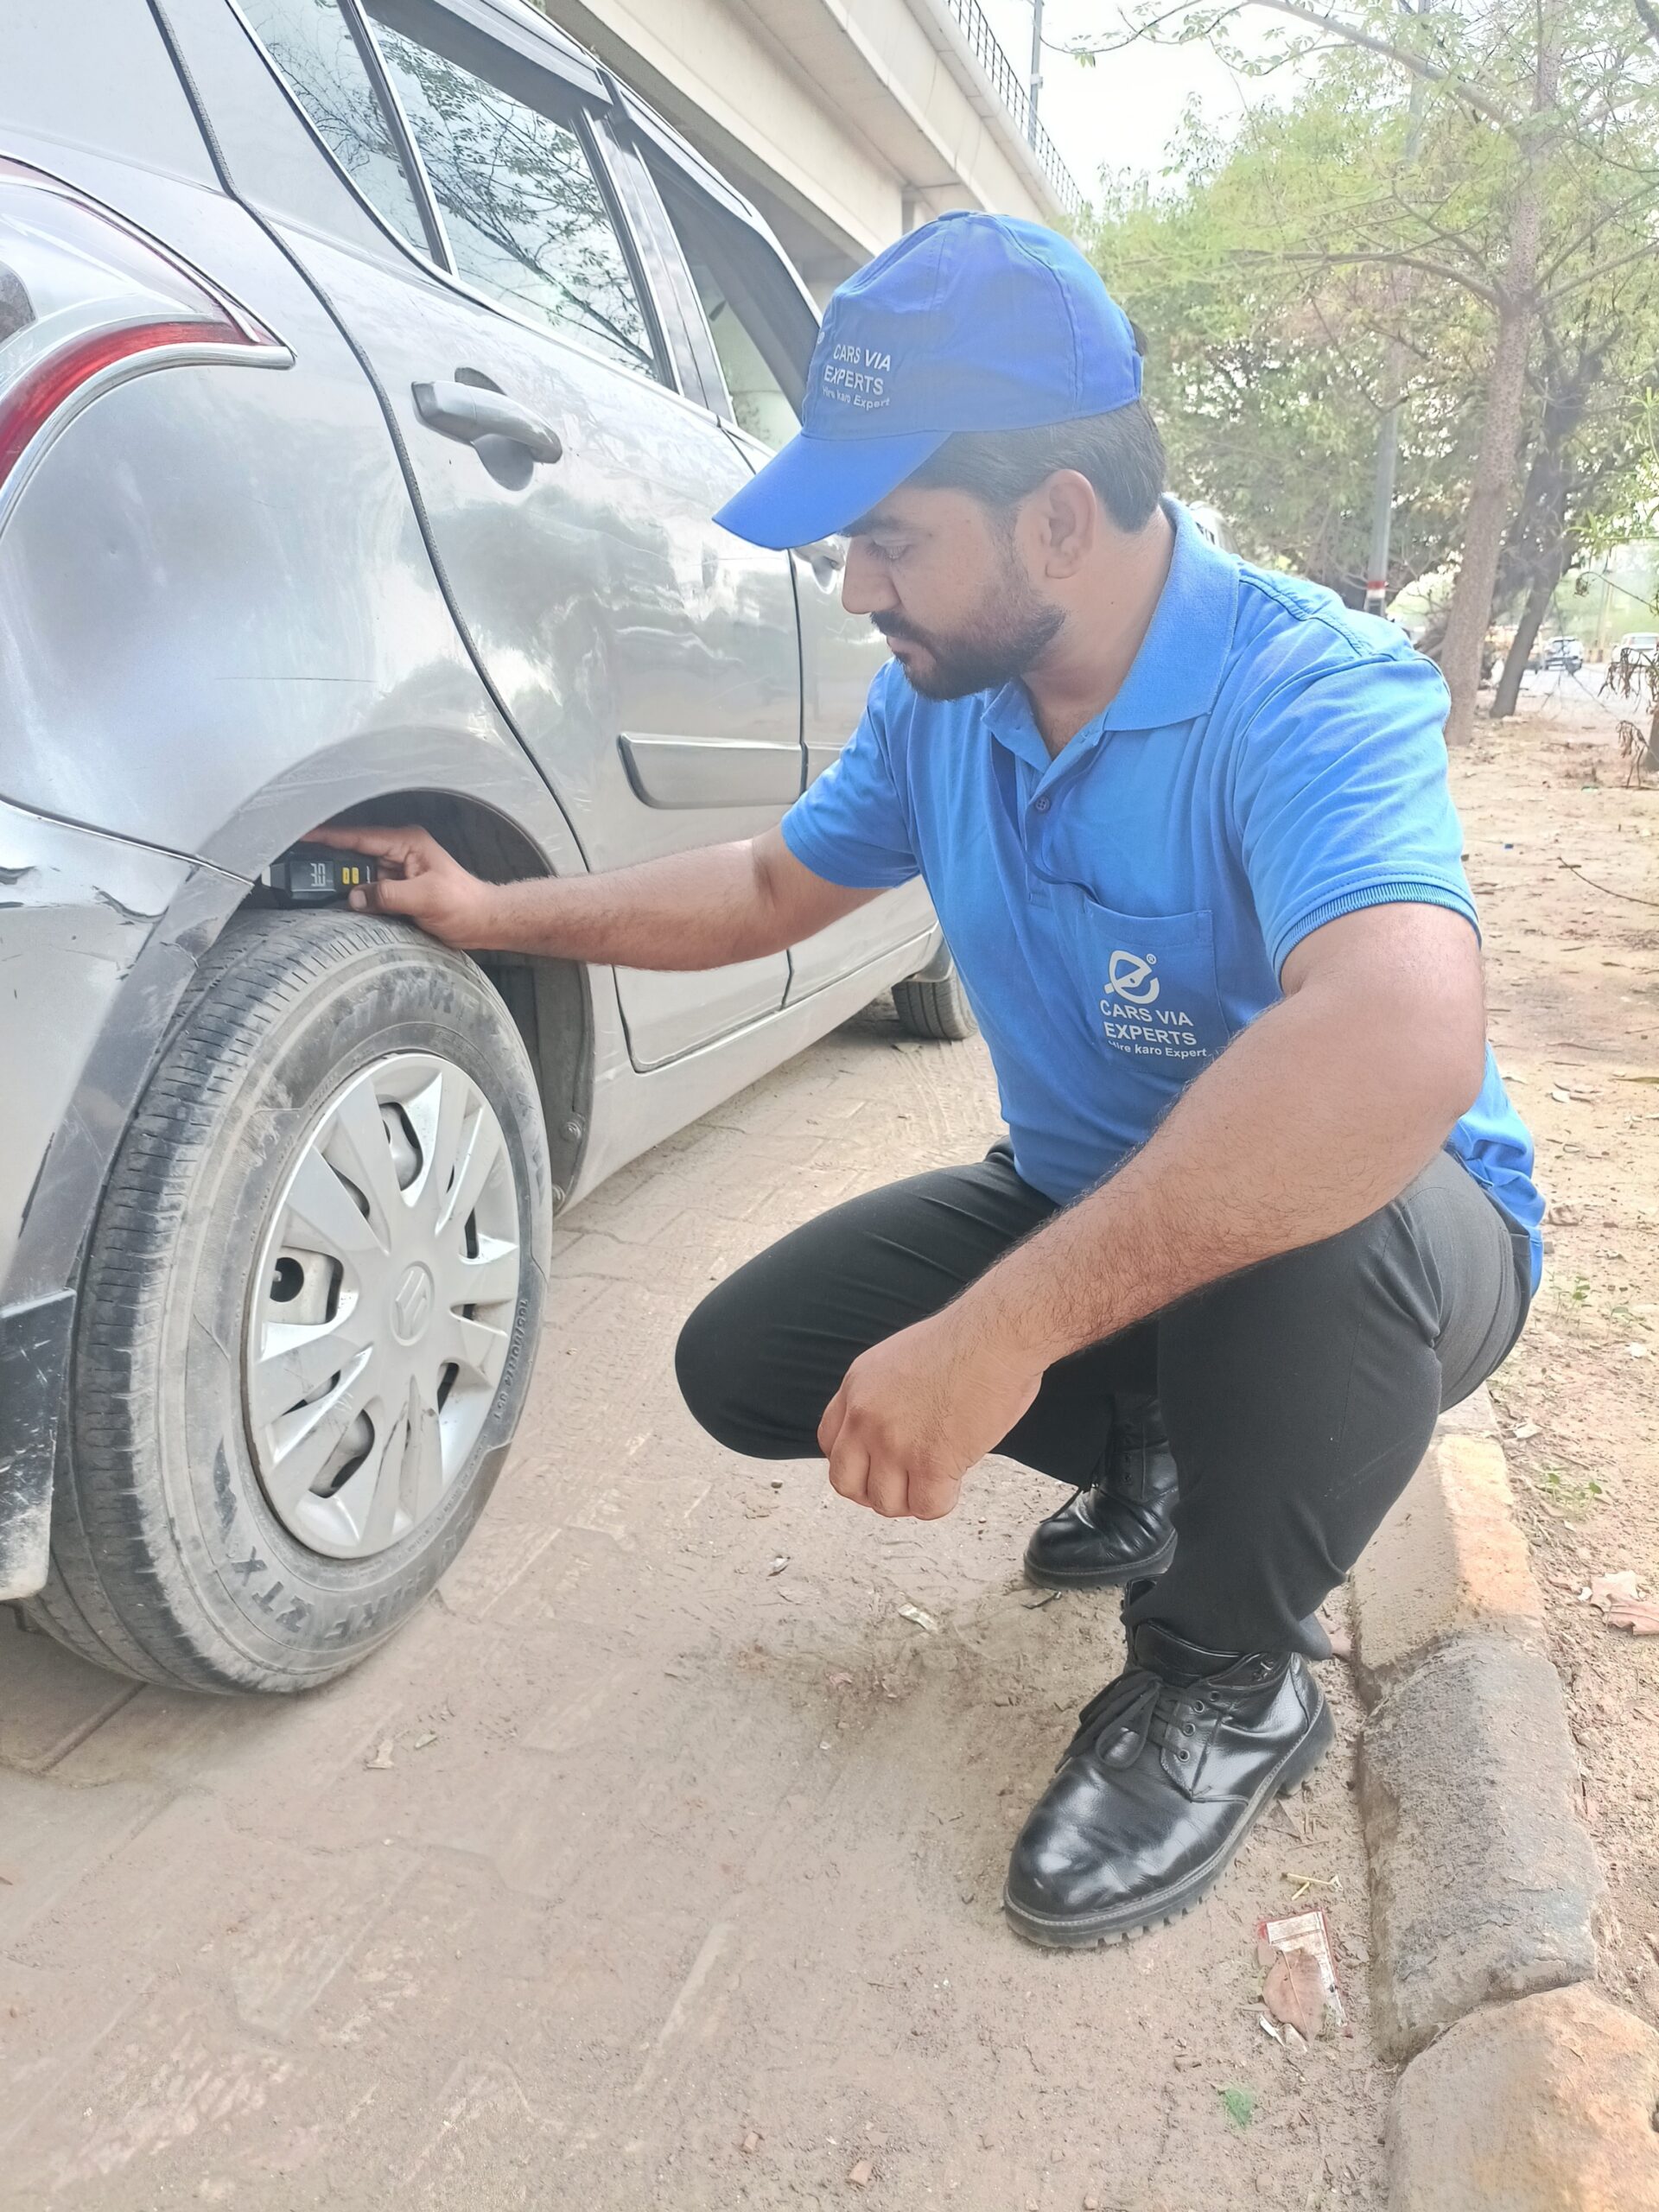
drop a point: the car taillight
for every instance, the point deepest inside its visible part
(84, 297)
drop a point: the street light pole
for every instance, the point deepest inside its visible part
(1394, 372)
(1036, 69)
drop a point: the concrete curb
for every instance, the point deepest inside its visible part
(1483, 1884)
(1449, 1559)
(1525, 2088)
(1534, 2106)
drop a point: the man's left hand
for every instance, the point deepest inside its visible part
(916, 1411)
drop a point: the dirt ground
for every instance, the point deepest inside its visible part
(656, 1863)
(1573, 986)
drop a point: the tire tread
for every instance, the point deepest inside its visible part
(934, 1007)
(104, 1597)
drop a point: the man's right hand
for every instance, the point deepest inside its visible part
(700, 909)
(419, 882)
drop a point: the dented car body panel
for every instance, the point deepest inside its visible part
(98, 938)
(242, 595)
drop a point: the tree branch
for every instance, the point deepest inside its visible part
(1355, 35)
(1488, 293)
(1595, 276)
(1334, 26)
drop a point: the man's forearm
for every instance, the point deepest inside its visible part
(1308, 1122)
(702, 909)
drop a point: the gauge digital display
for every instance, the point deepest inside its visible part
(314, 875)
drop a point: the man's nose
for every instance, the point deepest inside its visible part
(864, 588)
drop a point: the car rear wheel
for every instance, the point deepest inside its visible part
(308, 1313)
(932, 1003)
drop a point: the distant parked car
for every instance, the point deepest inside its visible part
(1564, 652)
(1638, 645)
(1211, 522)
(369, 375)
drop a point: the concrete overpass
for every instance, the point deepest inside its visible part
(847, 122)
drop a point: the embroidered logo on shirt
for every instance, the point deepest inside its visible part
(1131, 989)
(1129, 976)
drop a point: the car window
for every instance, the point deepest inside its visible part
(760, 404)
(527, 221)
(312, 45)
(762, 328)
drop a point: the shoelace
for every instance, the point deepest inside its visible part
(1138, 1707)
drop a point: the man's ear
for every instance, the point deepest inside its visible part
(1069, 509)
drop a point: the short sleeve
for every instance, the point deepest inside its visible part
(850, 826)
(1342, 800)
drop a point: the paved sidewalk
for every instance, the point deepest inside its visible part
(680, 1890)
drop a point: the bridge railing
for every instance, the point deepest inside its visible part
(991, 57)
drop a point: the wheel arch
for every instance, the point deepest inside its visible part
(479, 795)
(551, 1003)
(551, 1000)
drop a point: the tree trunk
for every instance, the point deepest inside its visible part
(1487, 512)
(1508, 684)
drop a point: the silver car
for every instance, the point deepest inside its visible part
(369, 370)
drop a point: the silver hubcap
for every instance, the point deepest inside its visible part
(383, 1307)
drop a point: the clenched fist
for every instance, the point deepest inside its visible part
(917, 1410)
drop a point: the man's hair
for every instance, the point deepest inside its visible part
(1121, 453)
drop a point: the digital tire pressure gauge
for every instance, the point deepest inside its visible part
(317, 875)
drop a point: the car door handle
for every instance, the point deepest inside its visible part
(469, 413)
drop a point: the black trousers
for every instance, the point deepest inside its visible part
(1299, 1396)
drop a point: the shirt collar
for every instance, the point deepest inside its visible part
(1177, 672)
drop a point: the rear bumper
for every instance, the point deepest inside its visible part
(76, 914)
(34, 1363)
(99, 939)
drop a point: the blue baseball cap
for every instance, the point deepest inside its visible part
(973, 322)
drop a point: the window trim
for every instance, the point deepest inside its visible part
(586, 137)
(670, 146)
(375, 62)
(427, 264)
(681, 185)
(662, 273)
(621, 223)
(538, 44)
(416, 183)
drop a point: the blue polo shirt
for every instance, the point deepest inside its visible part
(1122, 912)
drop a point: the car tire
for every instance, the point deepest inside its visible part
(187, 1547)
(932, 1003)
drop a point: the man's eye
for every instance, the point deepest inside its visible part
(889, 549)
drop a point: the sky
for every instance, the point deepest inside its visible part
(1123, 112)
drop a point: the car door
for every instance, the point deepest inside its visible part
(759, 326)
(649, 660)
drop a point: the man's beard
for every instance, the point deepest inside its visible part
(1013, 626)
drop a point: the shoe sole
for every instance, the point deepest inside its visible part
(1093, 1931)
(1143, 1570)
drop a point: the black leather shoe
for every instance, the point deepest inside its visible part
(1159, 1787)
(1121, 1530)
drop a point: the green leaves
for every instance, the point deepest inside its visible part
(1269, 327)
(1283, 278)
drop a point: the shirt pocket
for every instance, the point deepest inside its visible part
(1149, 984)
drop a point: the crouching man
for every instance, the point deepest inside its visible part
(1263, 1208)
